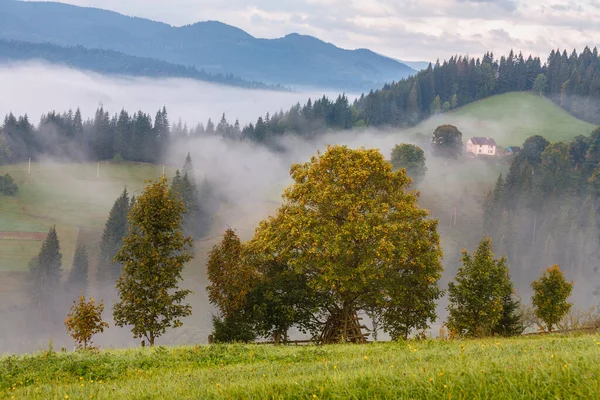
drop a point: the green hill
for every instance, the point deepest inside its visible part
(510, 119)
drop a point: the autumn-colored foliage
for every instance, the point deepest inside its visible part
(230, 277)
(350, 228)
(551, 292)
(153, 256)
(84, 321)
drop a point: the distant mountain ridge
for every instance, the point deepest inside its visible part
(210, 46)
(111, 62)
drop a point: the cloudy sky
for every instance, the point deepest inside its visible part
(406, 29)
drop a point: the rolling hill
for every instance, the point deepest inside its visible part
(211, 46)
(510, 119)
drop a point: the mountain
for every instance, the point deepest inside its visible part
(416, 65)
(111, 62)
(210, 46)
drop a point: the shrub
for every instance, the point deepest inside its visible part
(8, 185)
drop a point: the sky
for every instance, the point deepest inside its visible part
(410, 30)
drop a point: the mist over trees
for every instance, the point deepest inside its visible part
(547, 209)
(571, 81)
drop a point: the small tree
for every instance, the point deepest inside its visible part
(550, 296)
(411, 158)
(8, 185)
(476, 298)
(153, 256)
(447, 141)
(84, 321)
(511, 320)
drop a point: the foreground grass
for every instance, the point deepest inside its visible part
(533, 367)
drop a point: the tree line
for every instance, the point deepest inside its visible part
(572, 81)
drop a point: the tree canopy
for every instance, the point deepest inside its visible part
(349, 226)
(411, 158)
(447, 141)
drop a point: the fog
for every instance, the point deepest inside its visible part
(36, 88)
(248, 178)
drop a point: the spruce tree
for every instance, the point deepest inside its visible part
(476, 296)
(112, 240)
(78, 277)
(510, 323)
(46, 273)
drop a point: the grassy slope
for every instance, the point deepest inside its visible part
(520, 368)
(511, 118)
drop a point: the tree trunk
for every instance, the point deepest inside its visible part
(151, 339)
(276, 338)
(343, 326)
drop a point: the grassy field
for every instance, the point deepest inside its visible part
(549, 367)
(511, 118)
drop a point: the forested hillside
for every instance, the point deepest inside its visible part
(441, 88)
(113, 63)
(547, 209)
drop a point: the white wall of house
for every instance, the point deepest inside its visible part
(486, 150)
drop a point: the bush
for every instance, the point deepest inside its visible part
(8, 186)
(231, 330)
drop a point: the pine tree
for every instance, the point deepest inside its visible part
(45, 272)
(78, 277)
(510, 323)
(112, 240)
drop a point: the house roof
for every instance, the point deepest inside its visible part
(483, 141)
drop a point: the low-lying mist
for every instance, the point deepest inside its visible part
(36, 88)
(250, 178)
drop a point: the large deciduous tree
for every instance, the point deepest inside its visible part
(153, 256)
(447, 141)
(478, 293)
(411, 158)
(350, 228)
(551, 292)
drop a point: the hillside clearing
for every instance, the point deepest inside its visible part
(519, 368)
(510, 119)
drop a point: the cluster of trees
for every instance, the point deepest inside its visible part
(547, 209)
(118, 137)
(349, 237)
(8, 187)
(483, 301)
(50, 292)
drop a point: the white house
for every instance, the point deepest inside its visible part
(481, 146)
